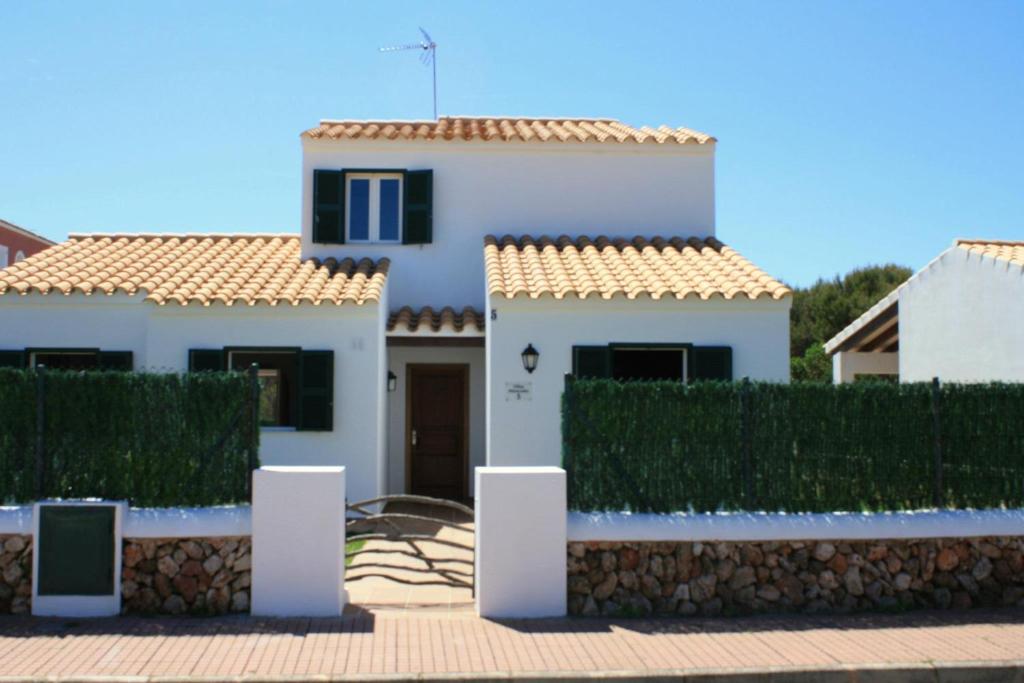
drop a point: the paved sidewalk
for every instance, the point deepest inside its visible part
(398, 644)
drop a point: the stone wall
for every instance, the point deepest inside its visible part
(813, 576)
(186, 576)
(15, 574)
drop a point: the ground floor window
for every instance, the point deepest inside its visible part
(66, 360)
(639, 363)
(60, 358)
(296, 385)
(673, 362)
(277, 371)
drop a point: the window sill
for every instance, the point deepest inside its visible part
(277, 429)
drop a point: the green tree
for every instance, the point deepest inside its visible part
(814, 366)
(822, 310)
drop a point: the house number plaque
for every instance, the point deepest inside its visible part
(518, 391)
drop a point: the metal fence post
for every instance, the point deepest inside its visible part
(746, 445)
(40, 440)
(937, 497)
(567, 441)
(254, 419)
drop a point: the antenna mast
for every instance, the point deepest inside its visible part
(429, 56)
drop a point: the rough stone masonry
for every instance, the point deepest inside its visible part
(186, 576)
(793, 576)
(15, 574)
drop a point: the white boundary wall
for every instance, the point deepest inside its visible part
(229, 520)
(520, 542)
(742, 526)
(16, 519)
(298, 542)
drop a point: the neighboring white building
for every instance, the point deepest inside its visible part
(391, 332)
(960, 319)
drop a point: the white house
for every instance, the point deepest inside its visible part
(447, 277)
(960, 318)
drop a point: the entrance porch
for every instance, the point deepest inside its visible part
(435, 402)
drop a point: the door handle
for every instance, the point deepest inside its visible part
(414, 437)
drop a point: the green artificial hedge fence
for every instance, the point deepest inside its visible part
(802, 447)
(151, 439)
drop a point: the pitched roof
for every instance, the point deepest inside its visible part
(427, 320)
(1003, 250)
(22, 231)
(507, 129)
(200, 269)
(886, 311)
(607, 268)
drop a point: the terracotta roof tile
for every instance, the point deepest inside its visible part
(678, 267)
(1000, 249)
(426, 319)
(200, 269)
(518, 129)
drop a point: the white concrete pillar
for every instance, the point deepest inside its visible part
(298, 541)
(520, 541)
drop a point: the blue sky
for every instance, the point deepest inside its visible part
(850, 133)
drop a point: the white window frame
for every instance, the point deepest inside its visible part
(373, 234)
(19, 257)
(4, 256)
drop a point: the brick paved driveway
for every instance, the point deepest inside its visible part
(433, 642)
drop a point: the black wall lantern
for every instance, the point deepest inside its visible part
(392, 381)
(530, 356)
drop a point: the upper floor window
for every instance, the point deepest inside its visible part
(373, 206)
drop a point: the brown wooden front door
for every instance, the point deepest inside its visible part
(437, 438)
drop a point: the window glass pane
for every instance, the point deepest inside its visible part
(66, 361)
(270, 397)
(389, 209)
(634, 364)
(359, 209)
(277, 378)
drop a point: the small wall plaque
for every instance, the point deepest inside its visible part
(518, 391)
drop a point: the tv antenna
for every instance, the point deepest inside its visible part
(429, 57)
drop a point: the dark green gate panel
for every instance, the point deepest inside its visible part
(76, 550)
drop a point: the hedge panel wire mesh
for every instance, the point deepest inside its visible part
(152, 439)
(802, 447)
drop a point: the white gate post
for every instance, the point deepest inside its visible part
(520, 541)
(298, 541)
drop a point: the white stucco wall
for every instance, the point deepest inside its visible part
(111, 323)
(962, 320)
(160, 337)
(352, 332)
(399, 357)
(846, 365)
(519, 188)
(529, 432)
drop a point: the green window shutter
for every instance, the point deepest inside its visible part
(205, 360)
(116, 360)
(12, 359)
(316, 391)
(329, 207)
(591, 362)
(711, 362)
(418, 222)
